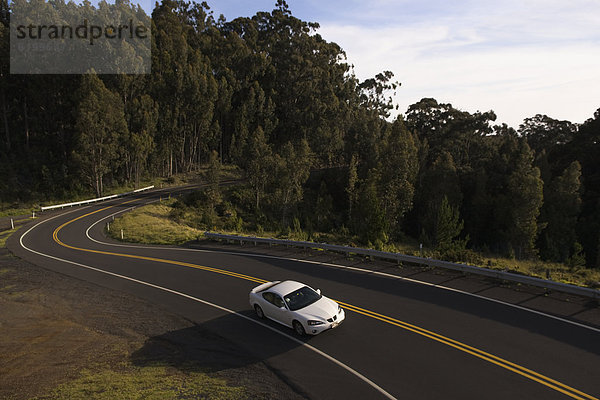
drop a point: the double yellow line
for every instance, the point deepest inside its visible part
(527, 373)
(145, 258)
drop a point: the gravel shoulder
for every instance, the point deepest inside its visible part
(63, 337)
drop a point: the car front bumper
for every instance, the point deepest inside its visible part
(316, 329)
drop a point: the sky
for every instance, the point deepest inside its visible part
(518, 58)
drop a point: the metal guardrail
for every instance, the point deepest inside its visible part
(78, 203)
(507, 276)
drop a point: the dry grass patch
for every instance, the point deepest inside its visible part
(151, 225)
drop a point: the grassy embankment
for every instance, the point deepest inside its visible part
(152, 382)
(151, 225)
(165, 223)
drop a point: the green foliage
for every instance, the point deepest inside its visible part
(369, 218)
(100, 123)
(149, 382)
(269, 95)
(577, 259)
(323, 209)
(213, 177)
(524, 197)
(143, 118)
(437, 183)
(448, 225)
(562, 205)
(457, 252)
(373, 93)
(399, 169)
(259, 164)
(292, 168)
(156, 224)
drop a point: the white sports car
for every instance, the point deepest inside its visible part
(297, 306)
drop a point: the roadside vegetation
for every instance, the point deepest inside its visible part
(324, 155)
(157, 382)
(151, 225)
(181, 220)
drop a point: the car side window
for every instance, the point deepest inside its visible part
(278, 302)
(270, 297)
(274, 299)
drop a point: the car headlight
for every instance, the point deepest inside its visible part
(313, 322)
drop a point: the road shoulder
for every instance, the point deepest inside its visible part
(61, 334)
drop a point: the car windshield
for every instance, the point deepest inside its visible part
(301, 298)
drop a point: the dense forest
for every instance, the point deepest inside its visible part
(317, 146)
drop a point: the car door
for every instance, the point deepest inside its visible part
(275, 308)
(267, 304)
(282, 314)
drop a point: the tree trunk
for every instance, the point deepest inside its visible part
(137, 174)
(96, 182)
(5, 117)
(26, 125)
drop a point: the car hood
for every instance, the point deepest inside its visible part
(322, 308)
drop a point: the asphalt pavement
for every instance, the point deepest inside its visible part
(400, 339)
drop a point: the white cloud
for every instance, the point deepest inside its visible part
(531, 57)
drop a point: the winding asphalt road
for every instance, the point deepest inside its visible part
(400, 339)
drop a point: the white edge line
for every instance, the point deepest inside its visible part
(314, 349)
(578, 324)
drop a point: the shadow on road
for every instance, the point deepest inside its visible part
(213, 346)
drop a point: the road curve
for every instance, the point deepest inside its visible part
(400, 340)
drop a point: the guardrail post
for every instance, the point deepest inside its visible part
(121, 234)
(33, 214)
(108, 226)
(12, 224)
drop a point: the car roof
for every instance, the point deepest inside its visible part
(285, 287)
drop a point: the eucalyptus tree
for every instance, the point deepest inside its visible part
(399, 168)
(559, 215)
(99, 123)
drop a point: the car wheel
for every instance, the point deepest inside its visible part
(259, 311)
(299, 328)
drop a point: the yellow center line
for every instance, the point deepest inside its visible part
(537, 377)
(441, 337)
(159, 260)
(527, 373)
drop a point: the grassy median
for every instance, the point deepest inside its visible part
(151, 224)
